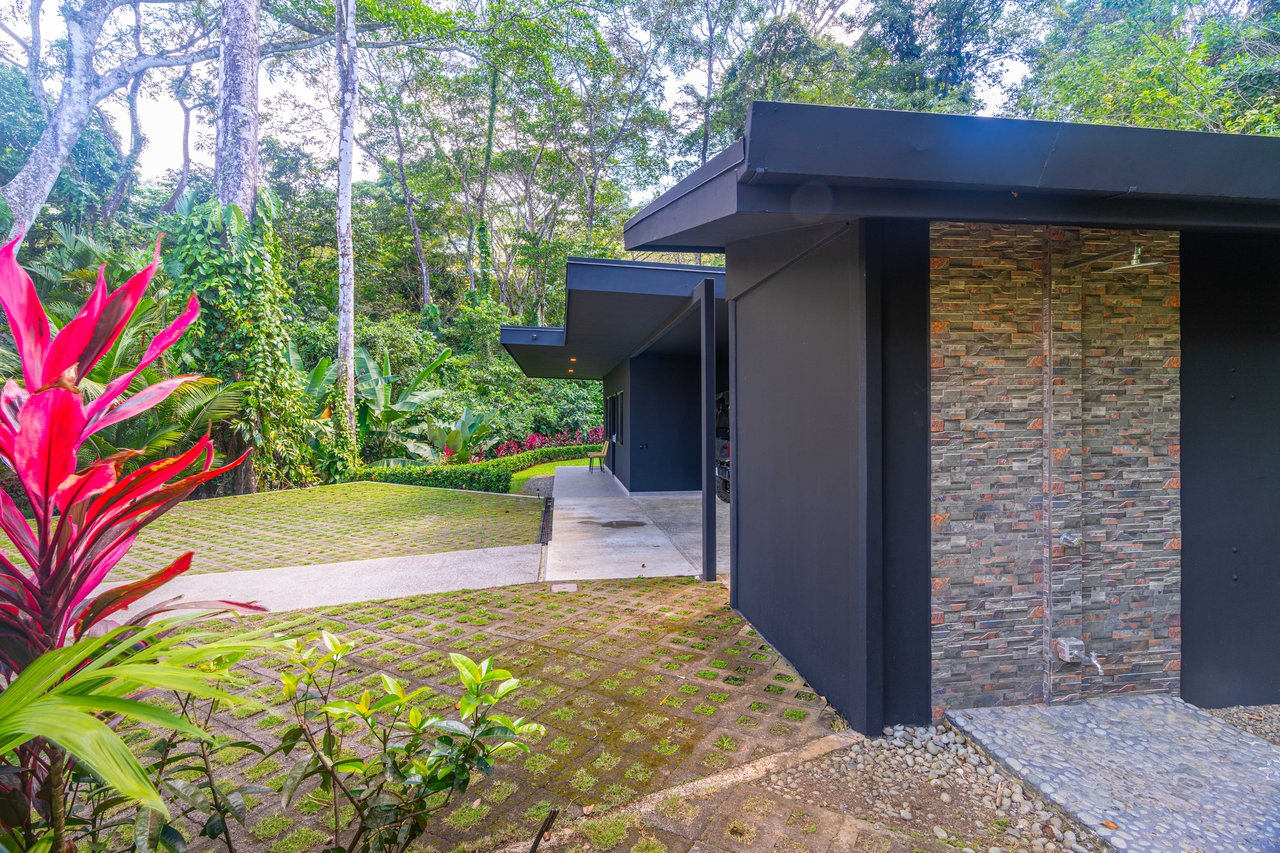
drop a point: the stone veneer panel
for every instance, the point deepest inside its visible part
(1054, 462)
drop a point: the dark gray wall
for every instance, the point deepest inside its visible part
(798, 565)
(661, 423)
(897, 264)
(665, 424)
(831, 459)
(619, 459)
(1230, 469)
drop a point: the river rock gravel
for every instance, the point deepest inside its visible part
(1260, 720)
(933, 783)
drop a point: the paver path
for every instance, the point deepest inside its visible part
(643, 685)
(1147, 773)
(330, 524)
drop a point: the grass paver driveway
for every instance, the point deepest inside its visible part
(641, 684)
(330, 524)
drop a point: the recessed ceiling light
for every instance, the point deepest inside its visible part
(571, 370)
(573, 359)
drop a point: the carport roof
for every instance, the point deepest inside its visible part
(801, 164)
(613, 309)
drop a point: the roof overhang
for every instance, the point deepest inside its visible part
(801, 165)
(613, 310)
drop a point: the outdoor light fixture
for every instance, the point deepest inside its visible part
(573, 359)
(571, 370)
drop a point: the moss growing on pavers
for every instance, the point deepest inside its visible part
(331, 524)
(605, 746)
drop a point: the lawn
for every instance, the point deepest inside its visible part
(330, 524)
(641, 685)
(545, 469)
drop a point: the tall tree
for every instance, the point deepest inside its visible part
(348, 88)
(236, 147)
(1189, 64)
(98, 57)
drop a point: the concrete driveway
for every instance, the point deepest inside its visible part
(599, 530)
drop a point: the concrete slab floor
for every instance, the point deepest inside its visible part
(1147, 773)
(599, 530)
(679, 516)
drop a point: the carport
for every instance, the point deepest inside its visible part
(657, 336)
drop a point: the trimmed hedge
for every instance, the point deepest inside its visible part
(492, 475)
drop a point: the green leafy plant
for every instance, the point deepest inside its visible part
(492, 475)
(383, 797)
(72, 700)
(383, 414)
(457, 441)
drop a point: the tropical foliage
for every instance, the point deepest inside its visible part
(383, 798)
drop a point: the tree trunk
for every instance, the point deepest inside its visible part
(136, 143)
(483, 242)
(408, 209)
(347, 88)
(185, 174)
(236, 148)
(30, 187)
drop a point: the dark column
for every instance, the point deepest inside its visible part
(707, 307)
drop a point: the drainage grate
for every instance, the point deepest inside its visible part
(544, 529)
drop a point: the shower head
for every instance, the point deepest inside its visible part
(1137, 263)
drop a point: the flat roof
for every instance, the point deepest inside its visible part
(802, 164)
(613, 309)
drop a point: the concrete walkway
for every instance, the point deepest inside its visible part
(301, 587)
(1147, 773)
(598, 531)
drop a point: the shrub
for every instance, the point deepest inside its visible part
(493, 475)
(537, 440)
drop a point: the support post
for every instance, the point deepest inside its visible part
(707, 307)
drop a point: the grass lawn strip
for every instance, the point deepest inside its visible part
(330, 524)
(546, 469)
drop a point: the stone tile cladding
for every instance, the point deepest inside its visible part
(1054, 462)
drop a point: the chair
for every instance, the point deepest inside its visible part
(596, 457)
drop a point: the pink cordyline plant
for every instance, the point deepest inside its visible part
(84, 519)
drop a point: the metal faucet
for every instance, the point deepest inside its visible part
(1093, 659)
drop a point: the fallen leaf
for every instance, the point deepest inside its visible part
(1110, 824)
(476, 804)
(588, 809)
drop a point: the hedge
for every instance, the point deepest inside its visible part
(492, 475)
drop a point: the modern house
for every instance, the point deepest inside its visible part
(637, 327)
(1005, 404)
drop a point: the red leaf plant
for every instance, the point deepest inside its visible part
(85, 519)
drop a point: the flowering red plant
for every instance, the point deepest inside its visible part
(85, 519)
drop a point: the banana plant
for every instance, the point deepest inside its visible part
(458, 441)
(382, 414)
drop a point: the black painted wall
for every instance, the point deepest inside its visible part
(661, 423)
(619, 458)
(666, 423)
(897, 264)
(831, 459)
(1230, 469)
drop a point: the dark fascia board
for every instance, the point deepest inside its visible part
(803, 164)
(612, 307)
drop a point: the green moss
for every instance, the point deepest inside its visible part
(301, 839)
(678, 809)
(795, 714)
(606, 833)
(270, 827)
(465, 817)
(582, 780)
